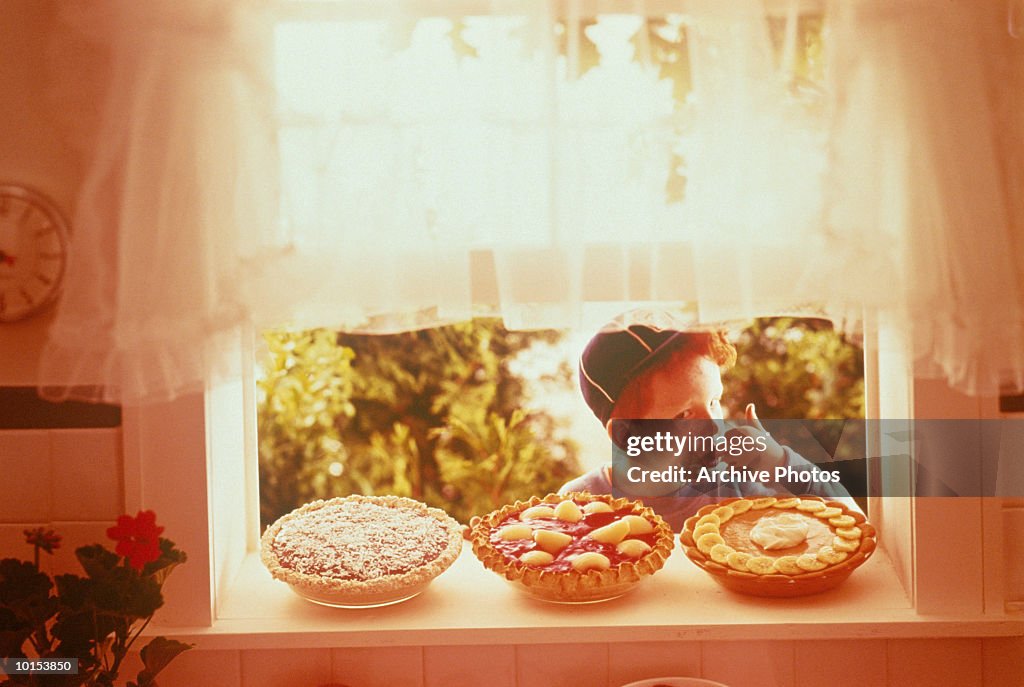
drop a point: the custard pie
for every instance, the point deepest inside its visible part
(360, 551)
(778, 546)
(573, 548)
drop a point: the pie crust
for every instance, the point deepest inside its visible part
(578, 567)
(361, 551)
(814, 544)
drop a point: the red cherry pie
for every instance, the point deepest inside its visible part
(573, 548)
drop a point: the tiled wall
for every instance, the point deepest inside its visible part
(866, 663)
(68, 479)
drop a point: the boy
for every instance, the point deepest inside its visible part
(649, 366)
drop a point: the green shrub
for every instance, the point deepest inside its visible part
(435, 415)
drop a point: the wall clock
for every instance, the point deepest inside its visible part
(33, 252)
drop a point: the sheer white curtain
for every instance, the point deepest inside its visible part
(410, 141)
(924, 185)
(567, 157)
(176, 204)
(548, 136)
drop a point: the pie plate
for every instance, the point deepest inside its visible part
(361, 551)
(574, 548)
(675, 682)
(360, 600)
(793, 582)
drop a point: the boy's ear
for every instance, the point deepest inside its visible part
(608, 428)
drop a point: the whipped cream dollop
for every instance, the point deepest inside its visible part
(779, 531)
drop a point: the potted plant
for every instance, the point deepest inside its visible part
(95, 619)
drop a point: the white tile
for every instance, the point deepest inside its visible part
(840, 664)
(197, 668)
(12, 541)
(469, 666)
(1003, 661)
(286, 668)
(87, 481)
(938, 661)
(132, 664)
(543, 665)
(631, 661)
(385, 666)
(749, 664)
(192, 668)
(25, 467)
(76, 534)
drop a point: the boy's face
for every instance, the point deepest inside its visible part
(687, 386)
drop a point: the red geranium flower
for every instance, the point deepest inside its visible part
(138, 538)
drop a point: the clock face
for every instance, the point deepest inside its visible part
(33, 252)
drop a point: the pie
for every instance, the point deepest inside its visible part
(798, 544)
(361, 550)
(573, 548)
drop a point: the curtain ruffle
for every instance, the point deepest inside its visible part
(179, 195)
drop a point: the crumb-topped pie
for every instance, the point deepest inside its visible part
(360, 551)
(573, 548)
(778, 546)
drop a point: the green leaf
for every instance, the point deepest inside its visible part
(25, 593)
(77, 631)
(157, 655)
(122, 591)
(170, 558)
(13, 633)
(73, 591)
(96, 559)
(20, 582)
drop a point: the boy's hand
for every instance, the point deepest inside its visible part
(772, 457)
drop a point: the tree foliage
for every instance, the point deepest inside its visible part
(436, 415)
(796, 368)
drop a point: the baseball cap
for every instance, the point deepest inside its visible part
(622, 349)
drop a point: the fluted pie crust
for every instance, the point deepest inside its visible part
(571, 585)
(839, 540)
(347, 523)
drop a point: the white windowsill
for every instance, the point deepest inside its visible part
(469, 605)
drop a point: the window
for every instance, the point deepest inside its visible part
(624, 262)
